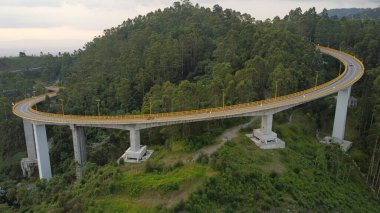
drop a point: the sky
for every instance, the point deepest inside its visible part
(54, 26)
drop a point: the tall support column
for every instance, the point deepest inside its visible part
(266, 124)
(136, 152)
(134, 136)
(264, 137)
(29, 139)
(79, 142)
(42, 149)
(341, 113)
(28, 164)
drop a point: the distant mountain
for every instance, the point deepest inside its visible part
(340, 13)
(355, 13)
(369, 14)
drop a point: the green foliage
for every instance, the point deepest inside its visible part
(295, 178)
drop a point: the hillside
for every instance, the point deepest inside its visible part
(190, 57)
(344, 12)
(355, 13)
(369, 14)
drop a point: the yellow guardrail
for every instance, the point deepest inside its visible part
(274, 102)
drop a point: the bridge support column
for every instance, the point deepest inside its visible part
(341, 113)
(79, 142)
(42, 149)
(264, 137)
(28, 164)
(136, 153)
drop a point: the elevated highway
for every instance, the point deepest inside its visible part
(35, 121)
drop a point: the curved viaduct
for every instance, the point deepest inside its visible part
(35, 121)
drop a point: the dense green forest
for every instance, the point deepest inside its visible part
(190, 57)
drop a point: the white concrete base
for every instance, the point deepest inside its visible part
(344, 145)
(141, 154)
(265, 137)
(271, 144)
(28, 166)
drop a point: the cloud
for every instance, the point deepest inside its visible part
(95, 14)
(100, 14)
(64, 32)
(31, 3)
(84, 19)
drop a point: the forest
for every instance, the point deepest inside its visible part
(190, 57)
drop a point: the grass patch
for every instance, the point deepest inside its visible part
(143, 192)
(135, 184)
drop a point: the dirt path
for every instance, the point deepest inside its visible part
(227, 135)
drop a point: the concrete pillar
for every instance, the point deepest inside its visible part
(134, 136)
(266, 124)
(79, 142)
(341, 113)
(265, 134)
(42, 149)
(264, 137)
(136, 152)
(28, 164)
(29, 139)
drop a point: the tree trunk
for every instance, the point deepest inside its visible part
(372, 161)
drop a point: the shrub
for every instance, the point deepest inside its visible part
(246, 129)
(178, 164)
(203, 159)
(297, 170)
(112, 188)
(279, 186)
(121, 161)
(153, 167)
(273, 174)
(170, 187)
(265, 207)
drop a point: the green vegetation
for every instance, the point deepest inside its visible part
(306, 176)
(164, 180)
(189, 57)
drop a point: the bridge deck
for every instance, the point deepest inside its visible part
(354, 70)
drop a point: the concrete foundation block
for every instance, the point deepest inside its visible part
(344, 144)
(272, 142)
(135, 156)
(28, 166)
(265, 137)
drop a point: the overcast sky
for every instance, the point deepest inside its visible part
(64, 25)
